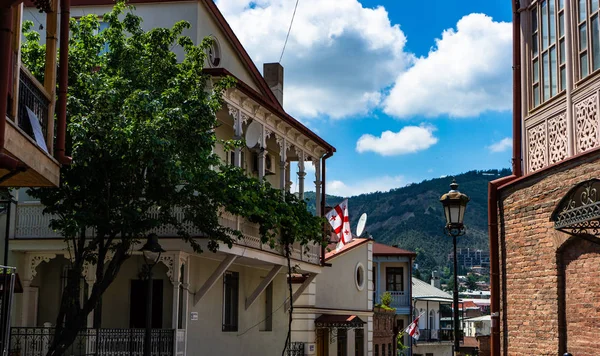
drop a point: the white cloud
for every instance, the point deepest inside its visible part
(409, 139)
(339, 56)
(501, 146)
(468, 72)
(377, 184)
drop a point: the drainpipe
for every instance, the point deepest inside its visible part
(63, 76)
(327, 155)
(494, 185)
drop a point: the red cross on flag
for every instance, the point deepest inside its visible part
(413, 329)
(340, 221)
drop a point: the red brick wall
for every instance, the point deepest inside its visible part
(530, 308)
(484, 345)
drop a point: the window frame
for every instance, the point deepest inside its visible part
(231, 287)
(394, 271)
(588, 51)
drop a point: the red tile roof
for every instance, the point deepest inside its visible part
(468, 304)
(470, 341)
(380, 249)
(349, 246)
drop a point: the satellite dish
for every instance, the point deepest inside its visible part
(253, 133)
(361, 224)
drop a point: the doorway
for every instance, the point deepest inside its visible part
(137, 304)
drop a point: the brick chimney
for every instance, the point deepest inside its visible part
(273, 74)
(435, 279)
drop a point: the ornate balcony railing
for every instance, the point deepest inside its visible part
(31, 223)
(400, 299)
(296, 349)
(32, 96)
(32, 341)
(438, 335)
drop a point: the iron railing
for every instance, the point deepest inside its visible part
(35, 99)
(296, 349)
(399, 298)
(438, 335)
(33, 341)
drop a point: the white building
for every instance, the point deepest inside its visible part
(433, 339)
(227, 303)
(478, 326)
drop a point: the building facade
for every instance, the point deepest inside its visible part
(545, 253)
(232, 302)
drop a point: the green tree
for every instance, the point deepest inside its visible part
(472, 282)
(141, 133)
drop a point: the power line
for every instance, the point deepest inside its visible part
(289, 30)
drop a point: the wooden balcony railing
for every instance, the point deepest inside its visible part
(33, 341)
(32, 223)
(400, 299)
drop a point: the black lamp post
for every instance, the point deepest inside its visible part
(152, 251)
(455, 203)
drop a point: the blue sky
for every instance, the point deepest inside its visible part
(404, 93)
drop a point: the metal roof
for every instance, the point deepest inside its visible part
(423, 290)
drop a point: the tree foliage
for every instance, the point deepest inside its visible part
(141, 132)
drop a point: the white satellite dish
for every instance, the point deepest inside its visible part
(361, 224)
(253, 133)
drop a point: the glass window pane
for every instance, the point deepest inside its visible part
(563, 78)
(534, 20)
(561, 24)
(536, 76)
(561, 4)
(546, 75)
(552, 15)
(583, 62)
(544, 28)
(595, 43)
(562, 51)
(534, 45)
(594, 7)
(536, 95)
(553, 72)
(582, 37)
(582, 13)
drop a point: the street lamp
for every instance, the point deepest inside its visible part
(152, 251)
(455, 203)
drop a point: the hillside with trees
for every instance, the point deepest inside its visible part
(412, 216)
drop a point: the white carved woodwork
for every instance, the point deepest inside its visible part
(557, 138)
(586, 124)
(537, 147)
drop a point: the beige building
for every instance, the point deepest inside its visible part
(232, 302)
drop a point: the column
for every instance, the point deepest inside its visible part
(30, 303)
(185, 280)
(317, 164)
(301, 174)
(89, 273)
(237, 134)
(261, 155)
(282, 142)
(569, 89)
(176, 282)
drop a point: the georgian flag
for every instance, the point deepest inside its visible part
(340, 222)
(413, 329)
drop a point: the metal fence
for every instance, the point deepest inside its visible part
(296, 349)
(33, 98)
(32, 341)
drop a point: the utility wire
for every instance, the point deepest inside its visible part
(289, 30)
(270, 315)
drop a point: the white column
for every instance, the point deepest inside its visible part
(175, 281)
(317, 164)
(237, 133)
(30, 303)
(90, 279)
(570, 69)
(301, 174)
(185, 300)
(261, 155)
(282, 142)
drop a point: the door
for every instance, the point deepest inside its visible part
(322, 342)
(137, 304)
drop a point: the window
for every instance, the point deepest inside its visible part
(547, 50)
(389, 349)
(360, 276)
(342, 342)
(359, 342)
(376, 350)
(269, 308)
(588, 37)
(383, 350)
(395, 279)
(231, 281)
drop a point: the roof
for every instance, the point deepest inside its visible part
(338, 320)
(470, 341)
(380, 249)
(347, 247)
(425, 291)
(479, 318)
(467, 304)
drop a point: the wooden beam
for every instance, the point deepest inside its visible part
(50, 71)
(213, 278)
(263, 285)
(301, 290)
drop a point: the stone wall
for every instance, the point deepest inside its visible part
(549, 299)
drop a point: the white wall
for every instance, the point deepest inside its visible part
(426, 308)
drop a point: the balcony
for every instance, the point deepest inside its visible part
(32, 341)
(437, 335)
(400, 301)
(29, 117)
(32, 223)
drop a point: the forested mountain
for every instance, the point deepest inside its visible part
(412, 216)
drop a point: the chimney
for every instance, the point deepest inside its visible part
(435, 279)
(273, 74)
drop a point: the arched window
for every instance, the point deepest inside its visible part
(432, 320)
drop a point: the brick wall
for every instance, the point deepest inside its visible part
(484, 345)
(531, 301)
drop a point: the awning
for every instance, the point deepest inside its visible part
(578, 212)
(339, 321)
